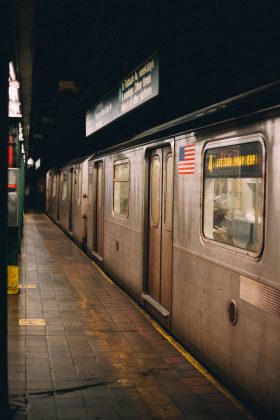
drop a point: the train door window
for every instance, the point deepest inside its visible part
(54, 186)
(234, 195)
(58, 195)
(64, 186)
(155, 190)
(78, 186)
(168, 192)
(47, 193)
(121, 187)
(70, 202)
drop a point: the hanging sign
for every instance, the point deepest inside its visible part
(138, 87)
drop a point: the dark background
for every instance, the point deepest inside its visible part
(208, 51)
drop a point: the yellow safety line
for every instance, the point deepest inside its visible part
(184, 353)
(203, 371)
(102, 272)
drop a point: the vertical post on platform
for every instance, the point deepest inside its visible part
(4, 77)
(3, 233)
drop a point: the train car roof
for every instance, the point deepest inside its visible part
(258, 100)
(74, 162)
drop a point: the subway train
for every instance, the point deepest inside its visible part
(184, 217)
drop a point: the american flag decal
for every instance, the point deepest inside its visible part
(186, 159)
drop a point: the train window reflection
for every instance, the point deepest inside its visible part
(233, 195)
(121, 187)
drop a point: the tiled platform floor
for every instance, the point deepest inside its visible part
(97, 357)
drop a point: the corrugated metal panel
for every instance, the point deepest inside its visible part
(261, 295)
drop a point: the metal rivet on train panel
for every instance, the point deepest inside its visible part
(232, 311)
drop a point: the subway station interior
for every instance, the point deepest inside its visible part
(139, 256)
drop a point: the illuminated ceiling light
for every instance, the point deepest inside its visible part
(12, 73)
(20, 133)
(30, 162)
(38, 163)
(15, 109)
(14, 84)
(13, 94)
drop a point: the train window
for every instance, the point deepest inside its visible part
(78, 179)
(233, 195)
(80, 187)
(155, 191)
(64, 186)
(168, 192)
(54, 186)
(121, 187)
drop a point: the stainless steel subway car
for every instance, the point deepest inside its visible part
(185, 217)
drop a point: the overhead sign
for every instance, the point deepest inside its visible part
(138, 87)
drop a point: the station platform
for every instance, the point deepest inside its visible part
(80, 348)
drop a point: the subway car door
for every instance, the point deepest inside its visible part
(160, 229)
(99, 209)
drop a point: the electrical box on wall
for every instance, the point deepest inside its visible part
(12, 197)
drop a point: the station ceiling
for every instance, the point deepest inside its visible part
(72, 53)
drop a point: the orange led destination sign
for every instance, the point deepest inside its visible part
(238, 161)
(229, 161)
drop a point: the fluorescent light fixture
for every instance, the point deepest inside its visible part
(30, 162)
(20, 132)
(15, 109)
(38, 163)
(12, 73)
